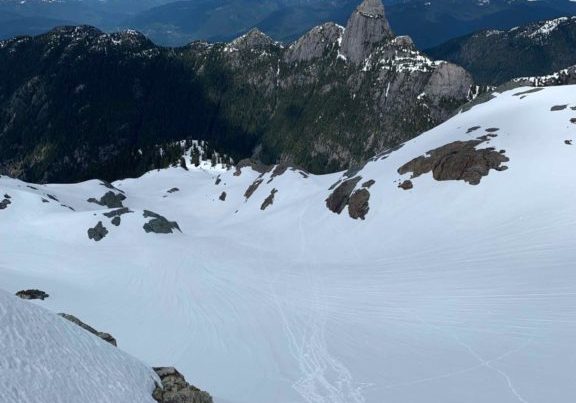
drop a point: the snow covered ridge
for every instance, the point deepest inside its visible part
(446, 277)
(538, 30)
(45, 358)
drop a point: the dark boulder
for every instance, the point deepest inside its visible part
(223, 196)
(32, 294)
(406, 185)
(98, 232)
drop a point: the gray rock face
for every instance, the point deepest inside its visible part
(366, 27)
(175, 389)
(104, 336)
(159, 224)
(98, 232)
(315, 43)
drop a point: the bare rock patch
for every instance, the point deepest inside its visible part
(97, 233)
(159, 224)
(104, 336)
(406, 185)
(557, 108)
(252, 188)
(269, 200)
(32, 294)
(110, 200)
(459, 160)
(340, 197)
(358, 205)
(223, 196)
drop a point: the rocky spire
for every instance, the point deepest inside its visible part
(366, 27)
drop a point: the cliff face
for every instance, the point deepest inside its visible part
(78, 103)
(366, 27)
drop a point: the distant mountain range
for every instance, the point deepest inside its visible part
(494, 56)
(429, 23)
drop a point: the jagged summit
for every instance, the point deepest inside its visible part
(366, 27)
(253, 39)
(371, 9)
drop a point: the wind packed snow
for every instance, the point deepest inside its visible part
(446, 293)
(45, 358)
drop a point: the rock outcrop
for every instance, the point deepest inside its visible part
(98, 232)
(269, 200)
(175, 389)
(315, 43)
(32, 294)
(358, 204)
(366, 27)
(159, 224)
(339, 198)
(110, 200)
(459, 160)
(104, 336)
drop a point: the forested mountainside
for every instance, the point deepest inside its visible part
(78, 103)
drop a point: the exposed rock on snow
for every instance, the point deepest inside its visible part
(406, 185)
(159, 224)
(175, 389)
(32, 294)
(252, 188)
(269, 200)
(98, 232)
(459, 160)
(4, 203)
(339, 198)
(173, 190)
(110, 200)
(358, 204)
(118, 213)
(107, 337)
(223, 196)
(557, 108)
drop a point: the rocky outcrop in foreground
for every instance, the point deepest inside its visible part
(175, 389)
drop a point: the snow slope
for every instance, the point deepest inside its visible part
(45, 358)
(447, 292)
